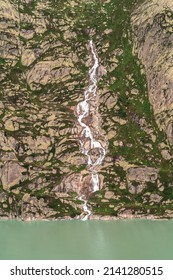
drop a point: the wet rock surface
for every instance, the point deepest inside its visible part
(45, 59)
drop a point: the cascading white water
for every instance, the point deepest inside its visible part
(87, 135)
(85, 208)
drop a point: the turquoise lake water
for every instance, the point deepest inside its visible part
(122, 239)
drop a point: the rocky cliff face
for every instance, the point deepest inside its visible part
(153, 36)
(44, 66)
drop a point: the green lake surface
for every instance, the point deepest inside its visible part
(121, 239)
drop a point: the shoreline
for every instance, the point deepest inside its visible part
(91, 218)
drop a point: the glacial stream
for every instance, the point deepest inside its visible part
(88, 118)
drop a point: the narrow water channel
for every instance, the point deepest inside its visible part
(90, 144)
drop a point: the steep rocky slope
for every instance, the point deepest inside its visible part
(153, 37)
(44, 66)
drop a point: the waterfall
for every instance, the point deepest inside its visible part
(84, 109)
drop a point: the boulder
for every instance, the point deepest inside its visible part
(142, 174)
(11, 174)
(138, 177)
